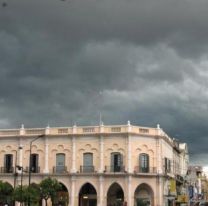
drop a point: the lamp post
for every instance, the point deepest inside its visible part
(31, 142)
(15, 167)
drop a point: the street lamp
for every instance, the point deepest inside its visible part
(15, 167)
(31, 142)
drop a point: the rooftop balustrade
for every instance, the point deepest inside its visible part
(79, 130)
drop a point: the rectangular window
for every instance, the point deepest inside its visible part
(167, 165)
(60, 163)
(116, 162)
(88, 162)
(8, 163)
(144, 162)
(34, 163)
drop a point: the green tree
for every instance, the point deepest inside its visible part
(25, 193)
(34, 193)
(20, 194)
(6, 191)
(49, 188)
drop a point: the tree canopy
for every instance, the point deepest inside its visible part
(49, 188)
(6, 191)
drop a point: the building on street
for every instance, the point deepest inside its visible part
(99, 165)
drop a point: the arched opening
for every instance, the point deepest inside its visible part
(87, 195)
(62, 197)
(143, 196)
(115, 195)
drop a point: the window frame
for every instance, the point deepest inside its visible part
(144, 165)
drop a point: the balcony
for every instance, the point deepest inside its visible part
(6, 169)
(87, 169)
(33, 169)
(115, 168)
(167, 171)
(139, 169)
(60, 169)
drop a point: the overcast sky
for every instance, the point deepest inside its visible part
(63, 62)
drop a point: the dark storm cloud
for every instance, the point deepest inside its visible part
(146, 61)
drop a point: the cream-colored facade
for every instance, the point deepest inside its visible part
(99, 165)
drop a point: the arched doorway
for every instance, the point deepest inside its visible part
(143, 195)
(115, 195)
(87, 195)
(62, 197)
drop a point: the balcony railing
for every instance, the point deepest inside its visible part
(115, 168)
(87, 169)
(139, 169)
(60, 169)
(33, 169)
(81, 130)
(6, 169)
(167, 170)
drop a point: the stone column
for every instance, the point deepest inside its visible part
(46, 169)
(129, 148)
(72, 200)
(101, 192)
(101, 169)
(159, 158)
(129, 191)
(160, 191)
(158, 150)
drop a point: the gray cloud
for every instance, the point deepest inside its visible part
(146, 61)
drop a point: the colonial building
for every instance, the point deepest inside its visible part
(98, 165)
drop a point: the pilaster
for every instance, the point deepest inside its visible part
(101, 192)
(46, 169)
(72, 200)
(73, 170)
